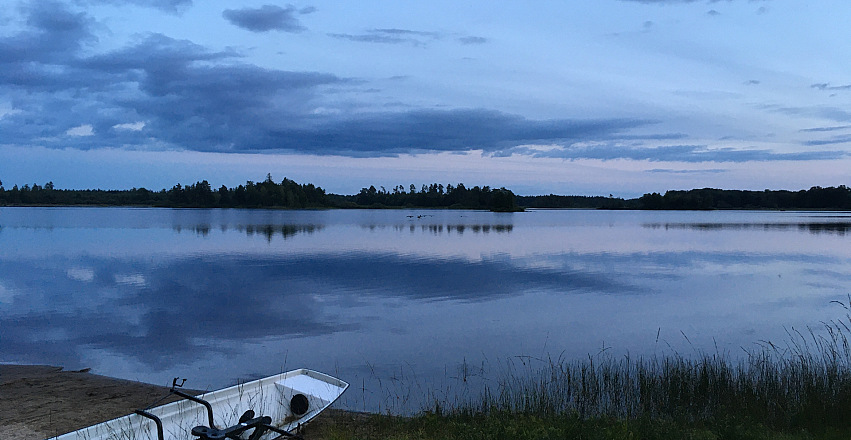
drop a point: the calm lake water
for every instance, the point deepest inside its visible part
(404, 305)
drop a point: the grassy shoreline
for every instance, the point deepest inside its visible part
(800, 389)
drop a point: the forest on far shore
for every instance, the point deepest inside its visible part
(265, 194)
(292, 195)
(816, 198)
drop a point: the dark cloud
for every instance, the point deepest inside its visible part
(391, 36)
(153, 55)
(825, 112)
(678, 153)
(823, 129)
(40, 57)
(54, 31)
(440, 130)
(407, 32)
(845, 139)
(472, 40)
(174, 86)
(828, 87)
(374, 38)
(267, 18)
(193, 98)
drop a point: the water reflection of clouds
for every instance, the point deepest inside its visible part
(158, 312)
(171, 314)
(6, 295)
(224, 308)
(80, 274)
(411, 277)
(133, 279)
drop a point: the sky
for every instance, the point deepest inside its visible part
(587, 97)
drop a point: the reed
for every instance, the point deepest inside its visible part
(803, 384)
(799, 389)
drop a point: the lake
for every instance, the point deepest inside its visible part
(406, 305)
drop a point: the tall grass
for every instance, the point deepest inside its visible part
(798, 389)
(802, 384)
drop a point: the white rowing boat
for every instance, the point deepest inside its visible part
(287, 401)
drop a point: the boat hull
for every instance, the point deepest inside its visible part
(290, 399)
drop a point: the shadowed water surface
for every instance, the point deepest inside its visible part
(406, 305)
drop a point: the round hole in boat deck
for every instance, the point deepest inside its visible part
(299, 405)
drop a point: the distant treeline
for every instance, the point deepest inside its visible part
(816, 198)
(437, 196)
(576, 202)
(289, 194)
(830, 198)
(265, 194)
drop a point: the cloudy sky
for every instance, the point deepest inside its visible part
(567, 97)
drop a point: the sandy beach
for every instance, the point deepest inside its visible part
(40, 401)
